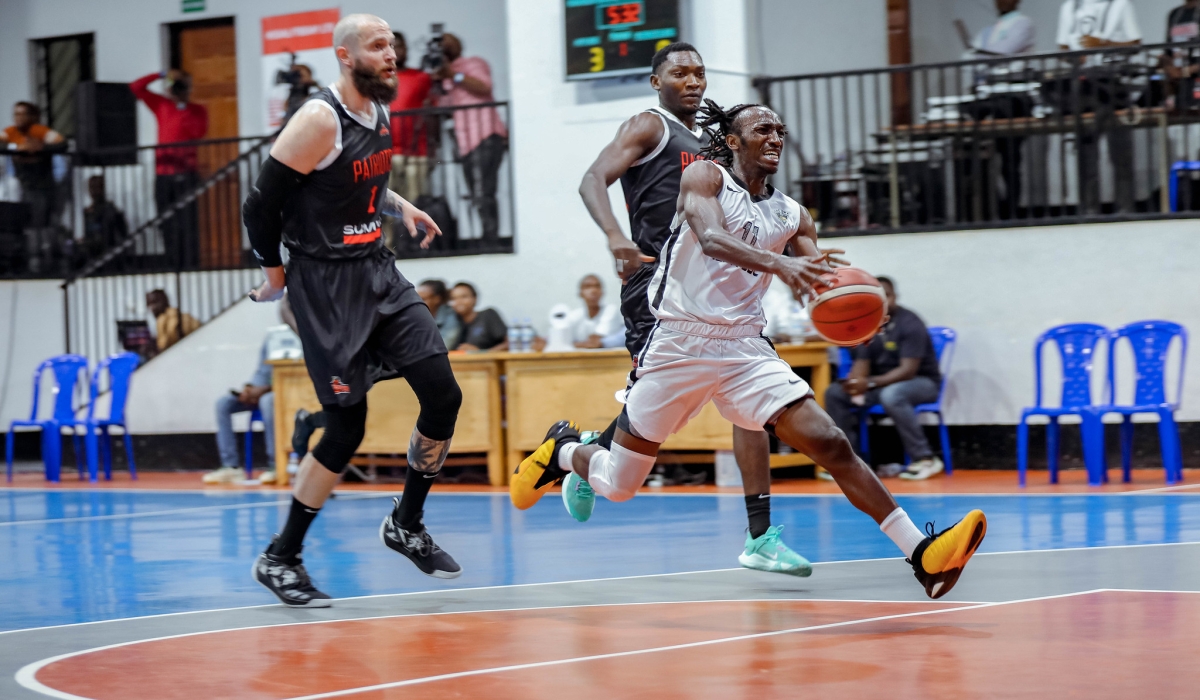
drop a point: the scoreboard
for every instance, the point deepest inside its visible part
(607, 38)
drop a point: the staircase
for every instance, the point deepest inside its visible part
(195, 249)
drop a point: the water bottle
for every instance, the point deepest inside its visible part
(527, 334)
(293, 465)
(514, 337)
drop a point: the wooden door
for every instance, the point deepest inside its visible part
(899, 54)
(209, 53)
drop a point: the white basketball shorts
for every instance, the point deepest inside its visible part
(679, 373)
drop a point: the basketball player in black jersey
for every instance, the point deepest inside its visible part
(322, 192)
(648, 155)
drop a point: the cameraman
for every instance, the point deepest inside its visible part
(300, 77)
(481, 136)
(176, 170)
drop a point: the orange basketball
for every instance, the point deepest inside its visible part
(849, 307)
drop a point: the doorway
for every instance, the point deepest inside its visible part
(207, 50)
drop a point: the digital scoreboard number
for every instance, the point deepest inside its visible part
(607, 38)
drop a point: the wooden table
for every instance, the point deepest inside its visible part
(542, 388)
(394, 408)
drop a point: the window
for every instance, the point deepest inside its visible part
(61, 63)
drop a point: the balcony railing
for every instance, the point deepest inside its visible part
(177, 208)
(1068, 137)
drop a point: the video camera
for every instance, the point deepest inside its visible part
(290, 76)
(434, 58)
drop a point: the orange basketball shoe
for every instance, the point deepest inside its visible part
(539, 471)
(939, 559)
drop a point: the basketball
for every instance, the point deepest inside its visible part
(849, 308)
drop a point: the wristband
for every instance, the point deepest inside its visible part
(871, 384)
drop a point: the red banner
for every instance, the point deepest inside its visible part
(299, 32)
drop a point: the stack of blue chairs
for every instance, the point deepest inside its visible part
(67, 370)
(1077, 343)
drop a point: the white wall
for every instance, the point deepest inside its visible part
(790, 37)
(129, 38)
(177, 391)
(1001, 288)
(31, 330)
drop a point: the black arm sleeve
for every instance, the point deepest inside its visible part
(263, 210)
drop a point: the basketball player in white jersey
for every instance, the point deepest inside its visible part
(707, 346)
(648, 155)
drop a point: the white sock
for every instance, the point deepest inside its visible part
(901, 530)
(564, 456)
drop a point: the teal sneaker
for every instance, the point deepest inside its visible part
(769, 553)
(578, 497)
(577, 494)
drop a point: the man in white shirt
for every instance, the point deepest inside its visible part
(596, 325)
(1012, 34)
(1094, 24)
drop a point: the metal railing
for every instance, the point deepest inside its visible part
(469, 193)
(170, 219)
(1077, 136)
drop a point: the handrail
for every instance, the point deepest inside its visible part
(981, 61)
(109, 255)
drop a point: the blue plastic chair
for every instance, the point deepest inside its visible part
(1150, 342)
(120, 368)
(255, 415)
(66, 369)
(1076, 344)
(1177, 168)
(944, 340)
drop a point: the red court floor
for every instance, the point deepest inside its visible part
(963, 481)
(1105, 644)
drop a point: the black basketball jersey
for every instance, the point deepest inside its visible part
(651, 185)
(334, 215)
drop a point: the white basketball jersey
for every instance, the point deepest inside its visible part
(689, 286)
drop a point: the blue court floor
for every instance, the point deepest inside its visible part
(85, 555)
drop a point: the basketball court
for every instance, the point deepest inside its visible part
(134, 593)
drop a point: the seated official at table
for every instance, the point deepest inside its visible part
(480, 330)
(437, 298)
(899, 369)
(256, 394)
(596, 325)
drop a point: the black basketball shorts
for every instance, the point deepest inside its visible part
(360, 321)
(635, 308)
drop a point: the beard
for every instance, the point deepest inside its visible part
(368, 82)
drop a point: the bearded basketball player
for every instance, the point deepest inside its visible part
(648, 155)
(728, 236)
(322, 192)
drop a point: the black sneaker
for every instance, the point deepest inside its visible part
(419, 547)
(288, 581)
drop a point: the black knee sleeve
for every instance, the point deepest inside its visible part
(344, 430)
(433, 382)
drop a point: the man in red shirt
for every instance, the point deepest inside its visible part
(179, 120)
(410, 146)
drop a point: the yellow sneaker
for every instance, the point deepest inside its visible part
(940, 559)
(539, 471)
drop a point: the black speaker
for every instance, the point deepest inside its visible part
(106, 131)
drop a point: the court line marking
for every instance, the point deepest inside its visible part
(170, 511)
(26, 675)
(573, 581)
(672, 647)
(669, 494)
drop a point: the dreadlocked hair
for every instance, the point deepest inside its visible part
(713, 116)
